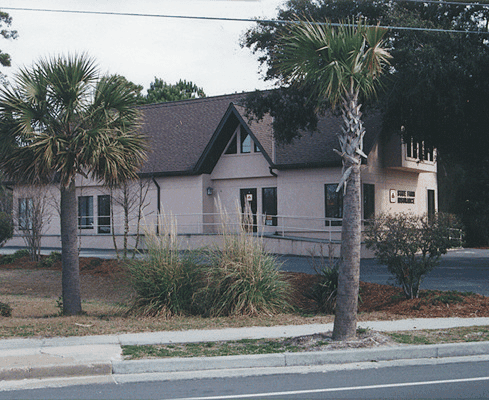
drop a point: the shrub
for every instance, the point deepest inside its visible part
(324, 291)
(164, 279)
(410, 246)
(10, 258)
(241, 278)
(6, 228)
(49, 261)
(5, 310)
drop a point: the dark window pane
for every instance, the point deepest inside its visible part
(85, 212)
(269, 205)
(368, 201)
(233, 146)
(333, 204)
(103, 214)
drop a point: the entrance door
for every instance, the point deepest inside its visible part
(249, 207)
(431, 203)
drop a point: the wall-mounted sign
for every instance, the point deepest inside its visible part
(249, 197)
(392, 196)
(405, 196)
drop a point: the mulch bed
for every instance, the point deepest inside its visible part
(375, 298)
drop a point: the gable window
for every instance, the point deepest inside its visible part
(269, 205)
(333, 202)
(233, 145)
(246, 143)
(103, 209)
(85, 212)
(26, 206)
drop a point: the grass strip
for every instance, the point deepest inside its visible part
(440, 336)
(210, 349)
(293, 345)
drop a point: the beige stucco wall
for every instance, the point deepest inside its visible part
(300, 199)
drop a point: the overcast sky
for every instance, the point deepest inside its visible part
(142, 48)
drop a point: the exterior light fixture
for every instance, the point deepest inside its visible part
(210, 191)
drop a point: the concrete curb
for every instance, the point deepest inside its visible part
(56, 371)
(299, 359)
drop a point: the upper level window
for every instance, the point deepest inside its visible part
(418, 151)
(246, 143)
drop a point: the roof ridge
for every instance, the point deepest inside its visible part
(199, 99)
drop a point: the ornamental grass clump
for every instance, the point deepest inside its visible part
(241, 278)
(324, 291)
(164, 280)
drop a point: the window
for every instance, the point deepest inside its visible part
(103, 208)
(25, 213)
(368, 201)
(269, 205)
(333, 204)
(405, 196)
(419, 151)
(85, 212)
(233, 145)
(246, 143)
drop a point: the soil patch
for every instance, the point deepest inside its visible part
(33, 294)
(103, 279)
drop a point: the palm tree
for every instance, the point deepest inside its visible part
(61, 120)
(339, 65)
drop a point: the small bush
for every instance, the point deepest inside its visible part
(410, 246)
(5, 310)
(241, 278)
(164, 280)
(6, 228)
(49, 261)
(10, 258)
(324, 291)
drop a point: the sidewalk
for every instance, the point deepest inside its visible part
(86, 356)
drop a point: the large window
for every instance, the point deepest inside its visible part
(103, 208)
(333, 204)
(85, 212)
(25, 213)
(269, 205)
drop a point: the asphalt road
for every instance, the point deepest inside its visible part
(428, 379)
(465, 270)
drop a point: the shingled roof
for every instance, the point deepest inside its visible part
(188, 137)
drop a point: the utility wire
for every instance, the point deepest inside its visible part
(256, 20)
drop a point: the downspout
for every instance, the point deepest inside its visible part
(158, 204)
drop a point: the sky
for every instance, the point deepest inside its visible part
(208, 53)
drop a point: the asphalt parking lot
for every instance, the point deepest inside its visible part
(465, 270)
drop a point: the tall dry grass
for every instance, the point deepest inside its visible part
(241, 278)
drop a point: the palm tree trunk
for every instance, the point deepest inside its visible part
(69, 252)
(345, 323)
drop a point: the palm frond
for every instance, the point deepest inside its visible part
(333, 60)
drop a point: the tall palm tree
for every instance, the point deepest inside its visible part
(60, 120)
(339, 65)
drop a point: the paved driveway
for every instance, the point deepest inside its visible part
(462, 270)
